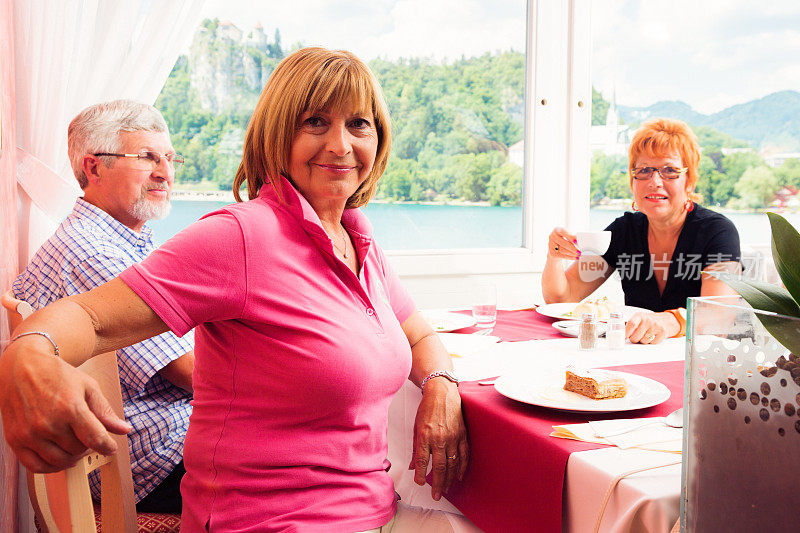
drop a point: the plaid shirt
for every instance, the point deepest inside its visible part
(89, 248)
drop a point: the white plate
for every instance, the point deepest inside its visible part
(443, 321)
(546, 390)
(564, 311)
(569, 328)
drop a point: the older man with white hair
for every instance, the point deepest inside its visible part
(123, 159)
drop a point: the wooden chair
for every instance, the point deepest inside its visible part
(62, 501)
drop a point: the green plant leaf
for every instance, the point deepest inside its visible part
(760, 295)
(786, 253)
(785, 331)
(767, 297)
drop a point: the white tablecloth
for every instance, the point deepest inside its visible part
(647, 501)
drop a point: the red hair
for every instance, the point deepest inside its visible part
(662, 137)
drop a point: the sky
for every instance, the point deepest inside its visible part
(385, 28)
(708, 53)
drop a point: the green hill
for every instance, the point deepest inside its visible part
(452, 122)
(769, 122)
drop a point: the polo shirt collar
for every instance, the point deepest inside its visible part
(296, 204)
(111, 225)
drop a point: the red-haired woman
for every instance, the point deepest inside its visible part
(661, 247)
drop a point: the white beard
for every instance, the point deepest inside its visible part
(145, 209)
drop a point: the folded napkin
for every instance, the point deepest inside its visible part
(645, 433)
(461, 345)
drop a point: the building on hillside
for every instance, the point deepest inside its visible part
(227, 29)
(786, 197)
(729, 151)
(612, 138)
(516, 153)
(257, 38)
(777, 159)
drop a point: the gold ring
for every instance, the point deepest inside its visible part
(452, 457)
(555, 247)
(650, 336)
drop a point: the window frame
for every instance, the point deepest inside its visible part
(557, 103)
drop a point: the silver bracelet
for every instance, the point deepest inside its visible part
(438, 374)
(43, 334)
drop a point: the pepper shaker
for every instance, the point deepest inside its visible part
(588, 332)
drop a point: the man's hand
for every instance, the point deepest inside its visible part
(52, 412)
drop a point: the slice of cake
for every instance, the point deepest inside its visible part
(595, 384)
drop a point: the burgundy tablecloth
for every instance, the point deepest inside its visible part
(516, 473)
(524, 325)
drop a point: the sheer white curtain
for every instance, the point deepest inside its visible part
(70, 54)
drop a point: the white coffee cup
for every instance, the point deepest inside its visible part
(593, 242)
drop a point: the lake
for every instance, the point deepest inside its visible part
(413, 226)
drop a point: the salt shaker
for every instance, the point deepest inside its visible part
(616, 331)
(588, 332)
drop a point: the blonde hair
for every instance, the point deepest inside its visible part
(309, 79)
(662, 137)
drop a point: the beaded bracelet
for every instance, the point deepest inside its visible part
(43, 334)
(439, 374)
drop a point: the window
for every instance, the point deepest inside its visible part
(727, 69)
(469, 85)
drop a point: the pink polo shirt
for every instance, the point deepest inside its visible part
(297, 360)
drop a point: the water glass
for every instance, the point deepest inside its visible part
(484, 306)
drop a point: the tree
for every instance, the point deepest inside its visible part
(472, 174)
(505, 185)
(599, 108)
(618, 185)
(788, 174)
(397, 180)
(757, 187)
(712, 185)
(608, 177)
(710, 137)
(735, 164)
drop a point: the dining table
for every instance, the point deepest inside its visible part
(520, 477)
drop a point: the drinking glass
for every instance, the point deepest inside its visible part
(484, 305)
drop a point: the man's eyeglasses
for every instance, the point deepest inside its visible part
(149, 160)
(666, 172)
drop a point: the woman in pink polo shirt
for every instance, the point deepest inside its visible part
(303, 331)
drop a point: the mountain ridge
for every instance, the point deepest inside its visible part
(771, 122)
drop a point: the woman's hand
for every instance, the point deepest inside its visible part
(651, 328)
(52, 413)
(439, 434)
(562, 245)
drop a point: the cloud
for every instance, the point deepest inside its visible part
(710, 54)
(439, 29)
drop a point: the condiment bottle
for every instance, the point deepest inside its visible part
(588, 332)
(616, 331)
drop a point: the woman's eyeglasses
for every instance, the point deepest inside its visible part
(149, 160)
(666, 172)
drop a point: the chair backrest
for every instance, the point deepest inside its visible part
(62, 500)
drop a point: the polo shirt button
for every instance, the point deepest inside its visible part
(370, 311)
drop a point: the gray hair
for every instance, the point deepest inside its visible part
(97, 128)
